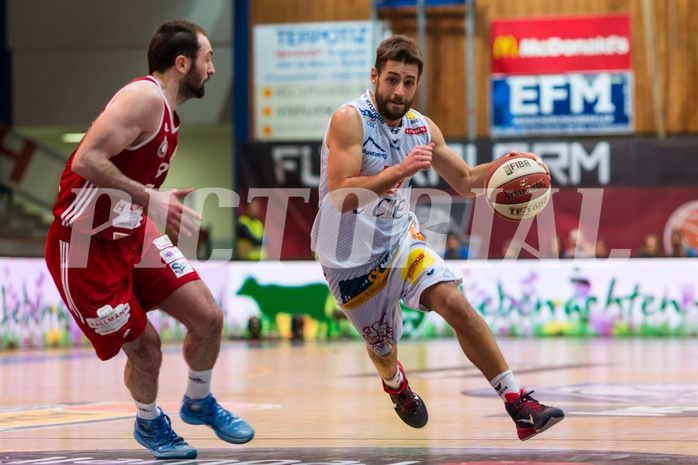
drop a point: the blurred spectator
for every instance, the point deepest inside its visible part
(578, 246)
(601, 248)
(454, 248)
(510, 249)
(250, 232)
(651, 247)
(554, 249)
(679, 247)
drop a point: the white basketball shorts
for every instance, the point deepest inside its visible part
(370, 295)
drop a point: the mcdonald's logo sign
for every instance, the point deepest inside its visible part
(505, 46)
(556, 45)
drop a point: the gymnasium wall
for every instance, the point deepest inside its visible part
(58, 56)
(70, 56)
(674, 23)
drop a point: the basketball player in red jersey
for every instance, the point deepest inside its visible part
(110, 263)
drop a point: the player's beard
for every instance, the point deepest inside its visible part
(190, 86)
(390, 114)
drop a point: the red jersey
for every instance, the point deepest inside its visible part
(84, 206)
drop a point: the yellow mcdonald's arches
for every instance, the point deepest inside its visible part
(505, 46)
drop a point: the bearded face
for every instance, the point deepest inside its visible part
(392, 107)
(192, 86)
(394, 89)
(200, 71)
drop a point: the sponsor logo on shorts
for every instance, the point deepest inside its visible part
(171, 254)
(181, 267)
(162, 242)
(109, 319)
(130, 216)
(357, 291)
(417, 262)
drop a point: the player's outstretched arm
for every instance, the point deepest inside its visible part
(467, 181)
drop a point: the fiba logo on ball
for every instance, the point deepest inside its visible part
(517, 187)
(509, 168)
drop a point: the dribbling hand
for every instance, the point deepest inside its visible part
(418, 159)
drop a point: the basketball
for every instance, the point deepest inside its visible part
(517, 187)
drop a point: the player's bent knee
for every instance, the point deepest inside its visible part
(215, 320)
(454, 305)
(209, 321)
(455, 308)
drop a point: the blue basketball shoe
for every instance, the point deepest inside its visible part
(207, 411)
(158, 437)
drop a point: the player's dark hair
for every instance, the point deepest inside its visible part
(170, 40)
(399, 48)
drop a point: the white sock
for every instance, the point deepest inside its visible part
(503, 383)
(199, 384)
(396, 381)
(147, 411)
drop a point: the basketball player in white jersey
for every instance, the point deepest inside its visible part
(369, 244)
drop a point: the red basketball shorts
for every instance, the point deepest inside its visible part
(109, 285)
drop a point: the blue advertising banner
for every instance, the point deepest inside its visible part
(598, 103)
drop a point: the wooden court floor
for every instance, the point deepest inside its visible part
(627, 401)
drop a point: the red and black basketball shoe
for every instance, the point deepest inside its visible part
(408, 405)
(531, 417)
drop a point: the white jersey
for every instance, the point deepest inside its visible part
(363, 236)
